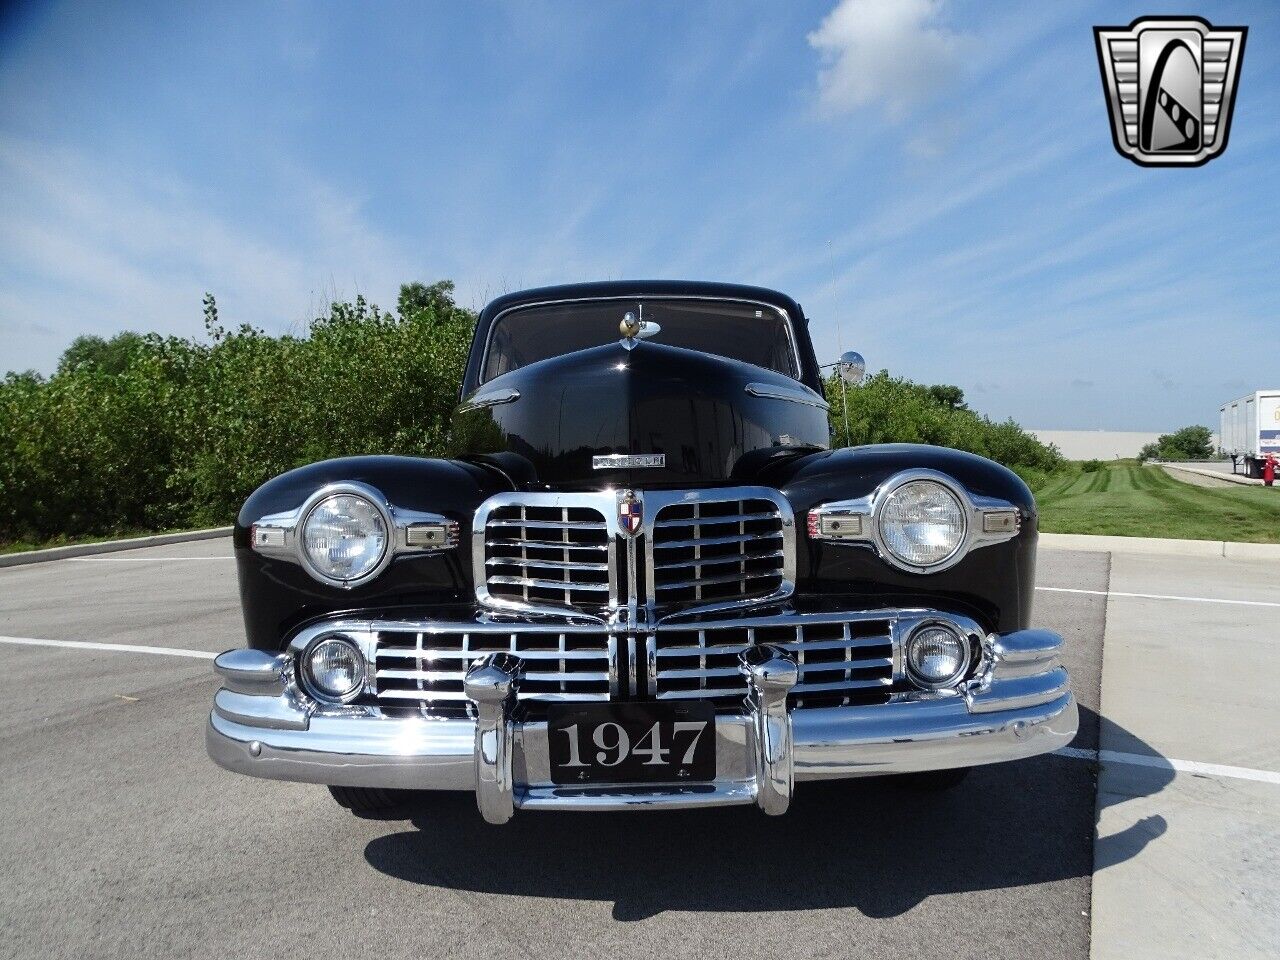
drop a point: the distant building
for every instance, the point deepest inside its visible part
(1098, 444)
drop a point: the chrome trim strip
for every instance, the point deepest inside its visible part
(867, 509)
(786, 317)
(492, 398)
(774, 392)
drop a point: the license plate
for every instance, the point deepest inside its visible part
(632, 742)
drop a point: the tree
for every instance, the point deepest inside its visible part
(106, 356)
(416, 298)
(948, 396)
(1189, 443)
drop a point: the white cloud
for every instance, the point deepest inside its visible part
(89, 248)
(886, 53)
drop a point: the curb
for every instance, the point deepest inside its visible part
(109, 546)
(1214, 475)
(1161, 547)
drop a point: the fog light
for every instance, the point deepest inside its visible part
(936, 656)
(334, 670)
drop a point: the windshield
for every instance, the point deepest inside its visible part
(752, 333)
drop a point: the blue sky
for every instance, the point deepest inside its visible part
(936, 176)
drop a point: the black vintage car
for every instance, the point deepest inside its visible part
(646, 581)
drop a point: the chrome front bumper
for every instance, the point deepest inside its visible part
(1018, 705)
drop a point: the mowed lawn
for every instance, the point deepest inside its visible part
(1129, 500)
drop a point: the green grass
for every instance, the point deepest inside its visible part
(1129, 500)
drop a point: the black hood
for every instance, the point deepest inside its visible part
(643, 397)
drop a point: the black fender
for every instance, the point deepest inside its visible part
(278, 595)
(994, 584)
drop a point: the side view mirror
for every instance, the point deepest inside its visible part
(852, 367)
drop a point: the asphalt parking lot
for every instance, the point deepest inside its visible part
(121, 838)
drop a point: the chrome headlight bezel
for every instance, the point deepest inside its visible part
(857, 522)
(360, 491)
(951, 489)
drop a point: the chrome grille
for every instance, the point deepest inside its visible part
(708, 551)
(422, 669)
(547, 555)
(842, 662)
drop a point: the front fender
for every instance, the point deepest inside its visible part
(995, 583)
(278, 596)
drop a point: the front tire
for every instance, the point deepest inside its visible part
(932, 781)
(369, 801)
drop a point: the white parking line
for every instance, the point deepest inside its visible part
(116, 647)
(1073, 753)
(1093, 593)
(1162, 596)
(1167, 763)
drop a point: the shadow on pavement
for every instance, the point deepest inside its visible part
(868, 844)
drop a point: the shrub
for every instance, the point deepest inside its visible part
(1092, 466)
(886, 409)
(148, 432)
(1189, 443)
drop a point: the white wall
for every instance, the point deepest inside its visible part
(1096, 444)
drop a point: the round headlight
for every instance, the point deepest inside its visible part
(344, 537)
(936, 656)
(335, 669)
(922, 523)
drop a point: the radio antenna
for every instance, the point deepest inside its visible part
(844, 386)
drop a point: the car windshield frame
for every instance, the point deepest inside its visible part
(796, 365)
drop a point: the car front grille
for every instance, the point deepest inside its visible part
(422, 669)
(662, 550)
(548, 555)
(842, 662)
(716, 550)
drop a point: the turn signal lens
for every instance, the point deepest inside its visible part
(936, 656)
(335, 669)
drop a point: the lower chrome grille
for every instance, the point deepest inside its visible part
(422, 669)
(842, 662)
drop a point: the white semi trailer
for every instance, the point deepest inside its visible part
(1251, 429)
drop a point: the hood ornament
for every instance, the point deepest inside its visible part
(634, 328)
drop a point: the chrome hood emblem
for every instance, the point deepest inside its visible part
(630, 513)
(628, 461)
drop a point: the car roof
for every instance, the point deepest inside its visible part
(609, 289)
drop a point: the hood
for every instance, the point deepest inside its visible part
(713, 420)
